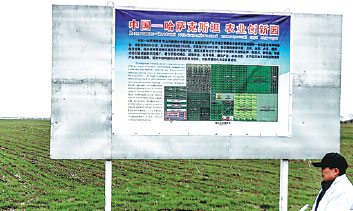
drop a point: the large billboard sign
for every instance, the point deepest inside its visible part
(151, 84)
(201, 73)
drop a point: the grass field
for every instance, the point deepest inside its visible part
(29, 180)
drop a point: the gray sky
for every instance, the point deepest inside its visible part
(25, 45)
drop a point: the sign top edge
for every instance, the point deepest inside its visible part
(201, 10)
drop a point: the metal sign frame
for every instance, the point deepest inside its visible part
(82, 96)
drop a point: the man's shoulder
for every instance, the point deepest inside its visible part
(345, 179)
(344, 183)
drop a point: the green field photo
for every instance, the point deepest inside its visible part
(30, 180)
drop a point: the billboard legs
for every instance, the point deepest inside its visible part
(283, 193)
(108, 185)
(283, 199)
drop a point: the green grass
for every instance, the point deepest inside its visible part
(29, 180)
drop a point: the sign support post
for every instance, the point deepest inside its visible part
(283, 193)
(108, 185)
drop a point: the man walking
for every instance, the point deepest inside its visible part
(336, 193)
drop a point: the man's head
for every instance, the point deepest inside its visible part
(332, 165)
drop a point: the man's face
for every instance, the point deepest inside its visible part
(329, 174)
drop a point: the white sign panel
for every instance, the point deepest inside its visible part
(177, 93)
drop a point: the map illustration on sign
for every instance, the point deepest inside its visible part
(224, 93)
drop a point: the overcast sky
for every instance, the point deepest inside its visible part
(25, 45)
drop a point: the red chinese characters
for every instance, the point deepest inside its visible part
(252, 29)
(133, 24)
(192, 26)
(206, 27)
(230, 28)
(145, 25)
(169, 26)
(263, 29)
(203, 27)
(215, 27)
(241, 29)
(274, 30)
(180, 25)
